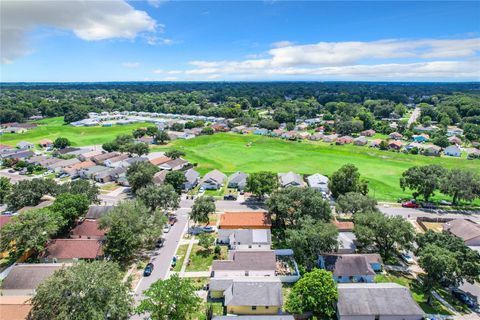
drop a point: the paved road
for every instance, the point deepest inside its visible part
(414, 213)
(414, 116)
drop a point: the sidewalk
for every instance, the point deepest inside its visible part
(187, 255)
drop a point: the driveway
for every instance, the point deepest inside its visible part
(413, 117)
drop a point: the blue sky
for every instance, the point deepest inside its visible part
(239, 40)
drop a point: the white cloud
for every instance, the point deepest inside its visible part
(281, 44)
(158, 71)
(376, 60)
(88, 20)
(130, 64)
(156, 3)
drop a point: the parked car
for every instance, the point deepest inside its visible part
(410, 204)
(148, 269)
(464, 297)
(407, 258)
(166, 228)
(160, 242)
(11, 171)
(428, 205)
(445, 203)
(172, 220)
(174, 261)
(229, 197)
(208, 229)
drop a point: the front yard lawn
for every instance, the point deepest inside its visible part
(201, 260)
(181, 252)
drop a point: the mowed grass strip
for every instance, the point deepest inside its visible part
(230, 152)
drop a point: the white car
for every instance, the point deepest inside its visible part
(407, 258)
(166, 228)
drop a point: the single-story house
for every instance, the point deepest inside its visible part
(395, 145)
(261, 263)
(237, 180)
(344, 140)
(70, 250)
(90, 172)
(455, 140)
(376, 301)
(101, 158)
(24, 278)
(245, 220)
(96, 212)
(330, 138)
(246, 239)
(48, 162)
(89, 155)
(431, 150)
(420, 138)
(454, 131)
(111, 174)
(73, 169)
(15, 307)
(360, 141)
(159, 177)
(174, 164)
(303, 135)
(318, 182)
(213, 180)
(375, 143)
(368, 133)
(191, 179)
(37, 159)
(453, 151)
(346, 241)
(160, 160)
(45, 143)
(66, 150)
(260, 296)
(465, 229)
(395, 136)
(290, 179)
(57, 166)
(351, 267)
(23, 154)
(25, 145)
(116, 161)
(87, 229)
(316, 136)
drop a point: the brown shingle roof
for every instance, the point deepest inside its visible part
(73, 248)
(81, 165)
(242, 220)
(160, 160)
(463, 229)
(88, 228)
(343, 225)
(15, 307)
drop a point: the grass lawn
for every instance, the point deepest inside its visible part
(201, 260)
(181, 252)
(53, 128)
(228, 153)
(109, 187)
(200, 314)
(416, 291)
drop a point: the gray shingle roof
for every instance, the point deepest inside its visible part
(238, 178)
(95, 212)
(216, 176)
(28, 276)
(348, 265)
(463, 229)
(191, 175)
(247, 260)
(290, 178)
(370, 299)
(254, 293)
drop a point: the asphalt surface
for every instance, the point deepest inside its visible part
(410, 213)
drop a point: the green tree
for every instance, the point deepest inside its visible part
(30, 192)
(131, 227)
(61, 143)
(5, 187)
(138, 133)
(315, 292)
(311, 239)
(202, 207)
(424, 180)
(159, 197)
(347, 179)
(171, 299)
(29, 230)
(287, 206)
(383, 232)
(161, 136)
(441, 141)
(140, 174)
(354, 202)
(461, 184)
(208, 131)
(76, 114)
(83, 187)
(205, 241)
(70, 207)
(86, 290)
(136, 148)
(262, 183)
(176, 179)
(175, 154)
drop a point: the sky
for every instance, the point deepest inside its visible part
(157, 40)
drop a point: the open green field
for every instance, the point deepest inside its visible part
(229, 152)
(53, 128)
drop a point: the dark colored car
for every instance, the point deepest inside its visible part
(410, 204)
(172, 220)
(148, 270)
(208, 229)
(160, 242)
(428, 205)
(229, 197)
(464, 297)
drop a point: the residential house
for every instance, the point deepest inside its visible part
(376, 301)
(48, 162)
(368, 133)
(276, 133)
(375, 143)
(109, 175)
(72, 170)
(116, 161)
(220, 127)
(303, 135)
(453, 151)
(101, 158)
(343, 226)
(412, 145)
(395, 145)
(159, 177)
(289, 135)
(146, 139)
(238, 180)
(330, 138)
(245, 220)
(360, 141)
(238, 129)
(90, 172)
(160, 160)
(87, 229)
(246, 239)
(24, 278)
(70, 250)
(213, 180)
(15, 307)
(261, 132)
(421, 128)
(89, 155)
(455, 140)
(347, 242)
(174, 164)
(431, 150)
(129, 161)
(473, 153)
(67, 150)
(25, 145)
(351, 267)
(248, 296)
(46, 201)
(253, 263)
(37, 159)
(18, 155)
(290, 179)
(316, 136)
(257, 317)
(454, 131)
(344, 140)
(59, 165)
(45, 143)
(464, 229)
(395, 136)
(301, 127)
(96, 212)
(420, 138)
(191, 179)
(318, 182)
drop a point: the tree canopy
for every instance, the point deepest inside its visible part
(159, 197)
(140, 174)
(202, 208)
(354, 202)
(262, 183)
(423, 180)
(347, 179)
